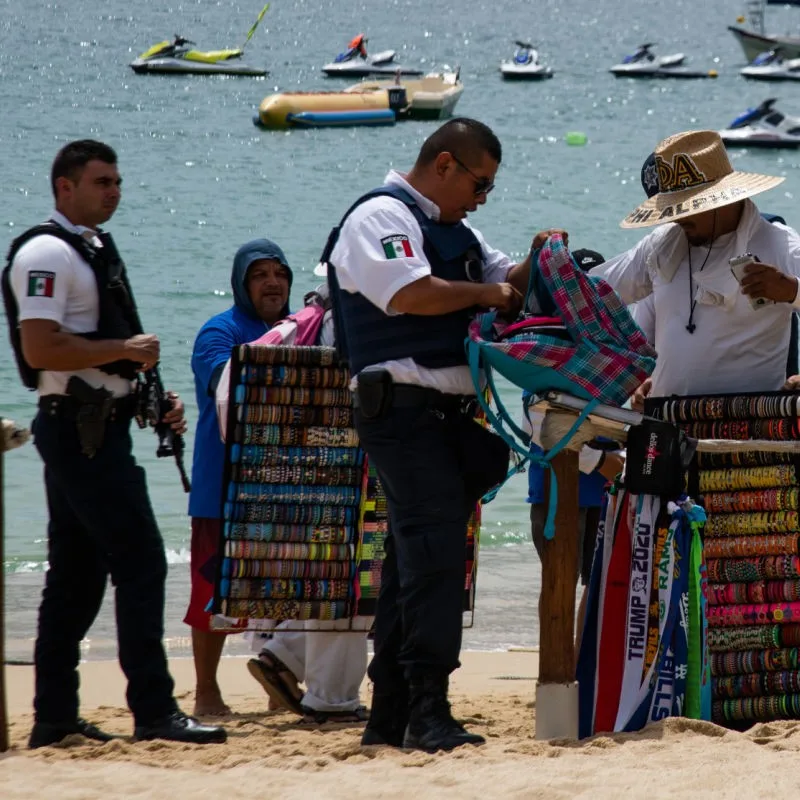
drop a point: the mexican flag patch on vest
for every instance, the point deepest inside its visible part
(397, 246)
(40, 284)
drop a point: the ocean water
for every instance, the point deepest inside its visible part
(200, 180)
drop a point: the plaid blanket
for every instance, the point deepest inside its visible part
(606, 356)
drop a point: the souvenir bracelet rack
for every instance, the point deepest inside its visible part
(304, 516)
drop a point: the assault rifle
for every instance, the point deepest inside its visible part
(152, 404)
(152, 400)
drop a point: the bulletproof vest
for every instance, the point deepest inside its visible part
(117, 318)
(365, 335)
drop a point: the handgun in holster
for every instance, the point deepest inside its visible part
(374, 393)
(94, 408)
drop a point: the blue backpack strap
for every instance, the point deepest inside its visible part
(502, 418)
(538, 288)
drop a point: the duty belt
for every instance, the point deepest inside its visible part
(115, 409)
(408, 395)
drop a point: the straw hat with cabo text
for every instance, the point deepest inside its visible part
(694, 175)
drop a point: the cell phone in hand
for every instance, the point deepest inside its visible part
(738, 265)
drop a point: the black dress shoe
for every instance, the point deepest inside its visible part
(180, 727)
(47, 733)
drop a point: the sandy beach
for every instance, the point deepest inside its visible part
(269, 753)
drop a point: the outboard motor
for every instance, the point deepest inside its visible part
(397, 98)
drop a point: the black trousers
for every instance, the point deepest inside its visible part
(101, 525)
(434, 467)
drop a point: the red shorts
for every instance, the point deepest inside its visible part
(205, 543)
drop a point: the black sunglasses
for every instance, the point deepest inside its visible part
(482, 185)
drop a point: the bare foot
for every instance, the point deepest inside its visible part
(210, 704)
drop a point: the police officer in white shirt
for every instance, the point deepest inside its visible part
(407, 274)
(75, 343)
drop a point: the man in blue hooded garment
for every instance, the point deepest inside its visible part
(261, 280)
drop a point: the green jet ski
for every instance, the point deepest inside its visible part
(179, 58)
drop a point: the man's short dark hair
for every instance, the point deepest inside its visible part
(73, 157)
(465, 138)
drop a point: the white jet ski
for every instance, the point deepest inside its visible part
(644, 64)
(525, 65)
(772, 66)
(764, 126)
(178, 58)
(356, 63)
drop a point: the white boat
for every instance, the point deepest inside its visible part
(764, 126)
(773, 66)
(643, 63)
(525, 65)
(371, 103)
(355, 62)
(433, 96)
(179, 58)
(754, 40)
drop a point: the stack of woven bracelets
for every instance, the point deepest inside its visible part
(751, 551)
(304, 517)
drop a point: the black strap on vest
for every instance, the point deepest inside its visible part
(340, 340)
(114, 296)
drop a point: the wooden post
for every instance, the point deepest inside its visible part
(556, 692)
(4, 744)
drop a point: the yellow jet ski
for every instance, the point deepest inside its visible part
(178, 58)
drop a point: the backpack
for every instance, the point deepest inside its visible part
(601, 355)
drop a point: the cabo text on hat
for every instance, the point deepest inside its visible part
(694, 175)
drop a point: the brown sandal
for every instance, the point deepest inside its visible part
(277, 680)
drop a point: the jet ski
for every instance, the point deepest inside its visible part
(763, 126)
(644, 64)
(525, 65)
(179, 58)
(772, 66)
(355, 62)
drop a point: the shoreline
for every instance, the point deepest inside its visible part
(508, 585)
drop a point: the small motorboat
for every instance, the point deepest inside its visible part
(763, 126)
(755, 40)
(772, 66)
(525, 65)
(380, 102)
(178, 58)
(643, 63)
(355, 62)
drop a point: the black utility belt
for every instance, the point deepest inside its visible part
(374, 395)
(115, 409)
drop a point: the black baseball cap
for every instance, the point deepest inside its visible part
(586, 259)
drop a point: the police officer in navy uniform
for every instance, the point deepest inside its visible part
(407, 273)
(74, 343)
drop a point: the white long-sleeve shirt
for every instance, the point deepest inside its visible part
(734, 347)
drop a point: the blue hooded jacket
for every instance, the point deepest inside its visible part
(212, 349)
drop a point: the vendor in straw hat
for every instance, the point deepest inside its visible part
(709, 336)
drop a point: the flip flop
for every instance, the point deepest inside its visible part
(271, 677)
(313, 717)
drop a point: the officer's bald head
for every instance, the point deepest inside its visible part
(467, 138)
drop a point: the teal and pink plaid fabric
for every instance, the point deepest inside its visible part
(608, 356)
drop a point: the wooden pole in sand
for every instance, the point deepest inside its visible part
(556, 690)
(3, 712)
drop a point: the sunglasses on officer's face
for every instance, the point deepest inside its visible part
(482, 185)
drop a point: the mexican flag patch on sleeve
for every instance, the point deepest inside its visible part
(397, 246)
(41, 284)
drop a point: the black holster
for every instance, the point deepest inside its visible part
(91, 414)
